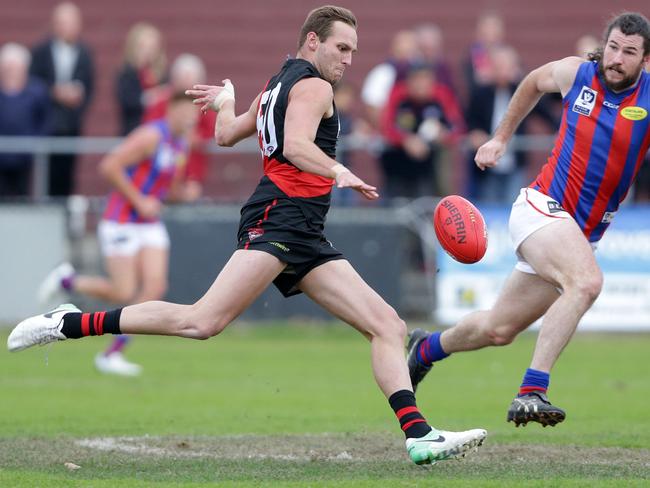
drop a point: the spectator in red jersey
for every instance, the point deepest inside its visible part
(143, 69)
(420, 118)
(186, 71)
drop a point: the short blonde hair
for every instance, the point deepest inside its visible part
(320, 22)
(133, 37)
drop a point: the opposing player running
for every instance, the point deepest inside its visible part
(556, 222)
(144, 171)
(281, 238)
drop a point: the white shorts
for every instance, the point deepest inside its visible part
(531, 211)
(126, 239)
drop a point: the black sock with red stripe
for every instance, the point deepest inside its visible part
(410, 419)
(77, 325)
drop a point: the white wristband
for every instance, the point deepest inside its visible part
(228, 93)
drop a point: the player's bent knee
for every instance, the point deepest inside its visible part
(588, 288)
(389, 324)
(209, 328)
(592, 287)
(502, 336)
(201, 327)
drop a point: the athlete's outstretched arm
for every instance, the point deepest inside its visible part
(229, 129)
(138, 145)
(553, 77)
(309, 101)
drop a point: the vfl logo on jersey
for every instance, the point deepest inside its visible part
(634, 113)
(554, 207)
(586, 101)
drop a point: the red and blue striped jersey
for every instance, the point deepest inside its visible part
(152, 176)
(600, 147)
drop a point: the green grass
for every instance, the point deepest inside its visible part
(274, 384)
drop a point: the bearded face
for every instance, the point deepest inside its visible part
(622, 61)
(616, 77)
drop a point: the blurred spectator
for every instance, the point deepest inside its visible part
(421, 116)
(490, 32)
(345, 95)
(143, 68)
(486, 108)
(24, 105)
(586, 44)
(431, 49)
(65, 64)
(186, 71)
(380, 80)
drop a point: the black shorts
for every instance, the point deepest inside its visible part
(291, 230)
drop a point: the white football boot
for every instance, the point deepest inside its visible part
(40, 329)
(52, 285)
(439, 445)
(116, 363)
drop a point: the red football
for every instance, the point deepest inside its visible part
(460, 229)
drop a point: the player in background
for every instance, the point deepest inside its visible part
(144, 170)
(187, 70)
(556, 222)
(281, 238)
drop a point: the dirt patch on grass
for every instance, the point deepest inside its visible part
(334, 455)
(330, 447)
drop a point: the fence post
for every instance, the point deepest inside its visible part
(40, 177)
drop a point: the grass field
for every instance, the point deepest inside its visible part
(296, 406)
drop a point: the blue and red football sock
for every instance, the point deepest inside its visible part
(430, 350)
(534, 380)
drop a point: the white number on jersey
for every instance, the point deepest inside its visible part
(266, 123)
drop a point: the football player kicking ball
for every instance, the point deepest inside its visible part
(281, 238)
(556, 222)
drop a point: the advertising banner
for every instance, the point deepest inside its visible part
(623, 254)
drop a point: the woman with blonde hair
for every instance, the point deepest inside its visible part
(144, 67)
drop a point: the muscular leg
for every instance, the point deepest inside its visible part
(576, 273)
(242, 279)
(523, 299)
(338, 288)
(527, 297)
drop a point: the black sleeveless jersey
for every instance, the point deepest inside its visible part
(270, 129)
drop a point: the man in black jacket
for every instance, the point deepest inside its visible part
(65, 64)
(487, 105)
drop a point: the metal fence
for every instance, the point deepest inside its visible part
(42, 147)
